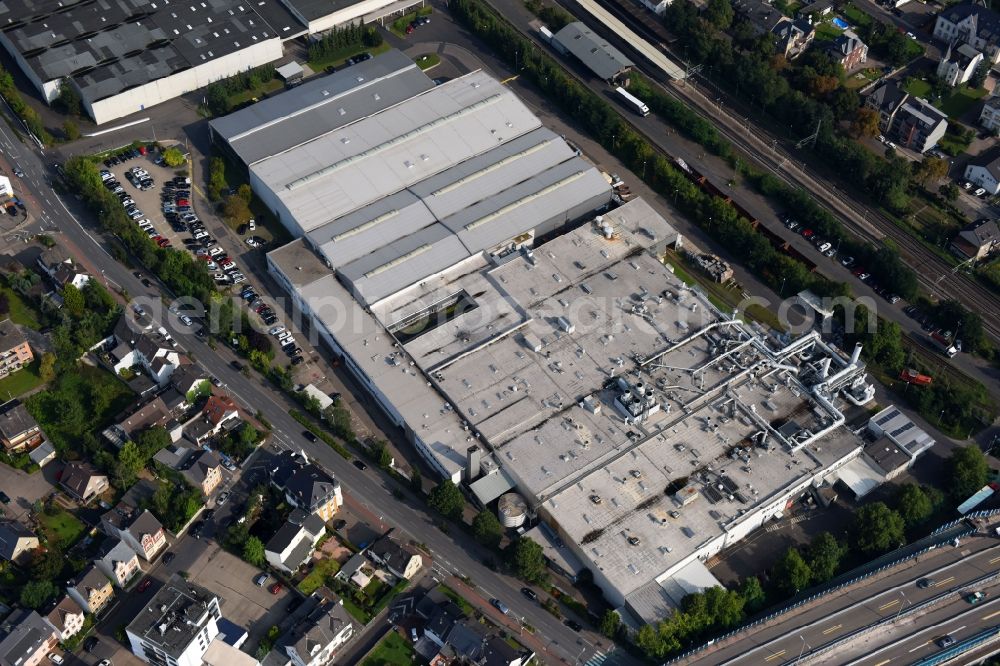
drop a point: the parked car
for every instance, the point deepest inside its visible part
(144, 585)
(808, 233)
(168, 557)
(530, 593)
(309, 435)
(260, 580)
(500, 606)
(296, 360)
(360, 465)
(847, 262)
(276, 588)
(980, 191)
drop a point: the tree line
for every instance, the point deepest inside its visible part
(355, 35)
(217, 94)
(31, 119)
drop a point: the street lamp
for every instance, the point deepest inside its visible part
(802, 649)
(901, 606)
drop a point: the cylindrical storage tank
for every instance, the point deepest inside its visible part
(512, 509)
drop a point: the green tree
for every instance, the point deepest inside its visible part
(979, 76)
(416, 481)
(753, 594)
(930, 170)
(486, 529)
(791, 573)
(69, 100)
(949, 191)
(236, 210)
(71, 130)
(877, 528)
(528, 560)
(966, 471)
(245, 192)
(253, 551)
(447, 500)
(152, 440)
(912, 504)
(47, 564)
(611, 623)
(36, 593)
(719, 13)
(865, 122)
(130, 461)
(47, 367)
(823, 556)
(173, 157)
(73, 300)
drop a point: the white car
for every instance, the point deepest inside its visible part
(238, 277)
(216, 251)
(824, 247)
(228, 265)
(967, 185)
(980, 191)
(55, 658)
(251, 225)
(284, 335)
(186, 320)
(198, 235)
(276, 330)
(881, 139)
(891, 144)
(212, 266)
(220, 277)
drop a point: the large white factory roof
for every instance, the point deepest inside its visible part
(341, 171)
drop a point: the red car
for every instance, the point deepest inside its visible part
(276, 588)
(144, 585)
(857, 272)
(807, 233)
(183, 202)
(163, 242)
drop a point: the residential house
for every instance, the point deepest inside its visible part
(221, 653)
(989, 118)
(958, 64)
(762, 16)
(118, 562)
(793, 37)
(972, 24)
(315, 640)
(199, 467)
(177, 626)
(25, 639)
(817, 10)
(498, 652)
(984, 171)
(151, 351)
(144, 414)
(61, 269)
(92, 590)
(66, 618)
(440, 621)
(18, 430)
(848, 50)
(918, 125)
(306, 485)
(82, 481)
(468, 639)
(355, 570)
(219, 413)
(887, 99)
(294, 542)
(15, 352)
(139, 529)
(42, 454)
(16, 542)
(190, 379)
(977, 240)
(400, 561)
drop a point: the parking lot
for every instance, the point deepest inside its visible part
(232, 579)
(23, 489)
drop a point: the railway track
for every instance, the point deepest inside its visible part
(933, 273)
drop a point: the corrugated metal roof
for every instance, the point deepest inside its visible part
(340, 171)
(321, 105)
(596, 53)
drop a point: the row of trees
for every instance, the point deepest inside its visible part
(179, 270)
(31, 119)
(217, 94)
(338, 40)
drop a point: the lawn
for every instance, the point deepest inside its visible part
(827, 32)
(337, 58)
(856, 17)
(20, 382)
(919, 88)
(956, 104)
(317, 577)
(238, 99)
(392, 650)
(427, 61)
(62, 528)
(21, 312)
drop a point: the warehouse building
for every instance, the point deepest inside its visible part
(124, 56)
(519, 324)
(594, 52)
(322, 15)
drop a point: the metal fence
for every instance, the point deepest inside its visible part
(960, 648)
(887, 561)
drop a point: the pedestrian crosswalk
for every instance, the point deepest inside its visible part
(597, 659)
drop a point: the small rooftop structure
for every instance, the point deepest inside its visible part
(597, 55)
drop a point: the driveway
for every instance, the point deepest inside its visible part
(23, 490)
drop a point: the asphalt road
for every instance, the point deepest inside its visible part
(454, 552)
(862, 605)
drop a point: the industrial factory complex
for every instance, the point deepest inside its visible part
(488, 288)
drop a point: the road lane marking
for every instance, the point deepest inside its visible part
(942, 582)
(993, 614)
(832, 629)
(995, 559)
(889, 605)
(775, 655)
(920, 646)
(883, 662)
